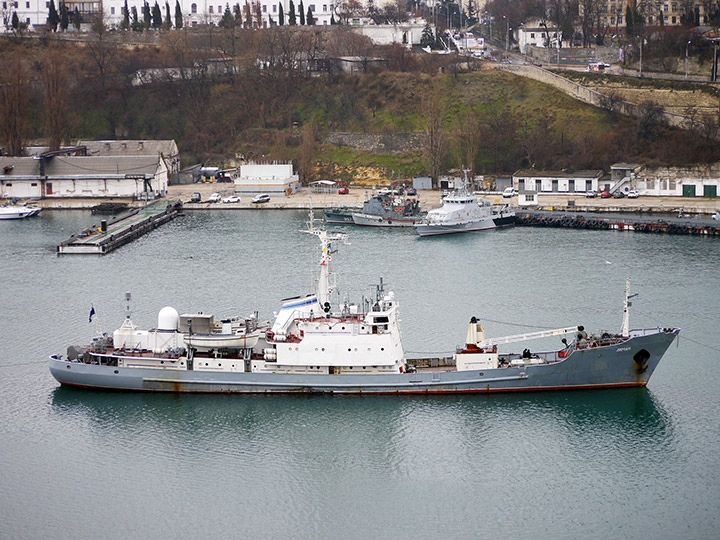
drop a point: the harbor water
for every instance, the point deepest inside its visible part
(630, 463)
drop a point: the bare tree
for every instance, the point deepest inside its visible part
(55, 97)
(432, 121)
(306, 152)
(14, 102)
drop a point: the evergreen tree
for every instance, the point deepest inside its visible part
(156, 16)
(309, 17)
(227, 20)
(147, 18)
(629, 21)
(134, 14)
(126, 17)
(64, 17)
(301, 12)
(53, 17)
(281, 16)
(427, 39)
(178, 15)
(291, 14)
(15, 21)
(76, 19)
(167, 23)
(237, 15)
(332, 18)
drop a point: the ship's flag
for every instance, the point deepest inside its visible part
(92, 312)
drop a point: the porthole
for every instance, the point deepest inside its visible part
(68, 367)
(233, 365)
(342, 327)
(162, 362)
(349, 349)
(382, 348)
(207, 364)
(323, 349)
(116, 372)
(355, 349)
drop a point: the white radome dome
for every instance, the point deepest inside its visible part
(168, 319)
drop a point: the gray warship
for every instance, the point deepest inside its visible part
(313, 346)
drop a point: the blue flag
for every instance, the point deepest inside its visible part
(92, 312)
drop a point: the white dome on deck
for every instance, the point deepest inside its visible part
(168, 319)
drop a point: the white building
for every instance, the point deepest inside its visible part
(556, 181)
(164, 149)
(538, 33)
(277, 178)
(35, 12)
(62, 176)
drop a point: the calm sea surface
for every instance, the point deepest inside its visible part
(637, 463)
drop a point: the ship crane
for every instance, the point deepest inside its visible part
(491, 342)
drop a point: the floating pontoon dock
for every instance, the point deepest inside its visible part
(107, 236)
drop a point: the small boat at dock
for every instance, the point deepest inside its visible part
(18, 212)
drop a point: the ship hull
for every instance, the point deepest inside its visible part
(494, 222)
(371, 220)
(337, 217)
(18, 212)
(630, 363)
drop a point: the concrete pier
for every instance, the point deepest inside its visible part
(110, 235)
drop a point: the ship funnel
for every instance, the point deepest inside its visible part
(476, 333)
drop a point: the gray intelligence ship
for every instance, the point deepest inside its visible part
(352, 348)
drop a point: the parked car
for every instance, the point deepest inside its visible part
(591, 193)
(618, 194)
(215, 197)
(195, 197)
(231, 199)
(412, 191)
(605, 195)
(343, 191)
(716, 216)
(261, 199)
(509, 192)
(632, 194)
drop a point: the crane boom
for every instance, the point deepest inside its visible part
(525, 337)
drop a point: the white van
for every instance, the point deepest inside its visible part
(509, 192)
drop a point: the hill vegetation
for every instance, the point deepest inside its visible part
(266, 107)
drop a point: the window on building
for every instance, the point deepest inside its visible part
(312, 8)
(665, 8)
(674, 20)
(27, 5)
(274, 8)
(612, 20)
(264, 9)
(210, 9)
(674, 8)
(325, 8)
(220, 9)
(47, 5)
(193, 8)
(112, 10)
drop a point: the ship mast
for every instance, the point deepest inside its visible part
(323, 285)
(625, 328)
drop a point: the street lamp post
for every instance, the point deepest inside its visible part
(686, 60)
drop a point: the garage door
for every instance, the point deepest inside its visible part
(710, 191)
(688, 191)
